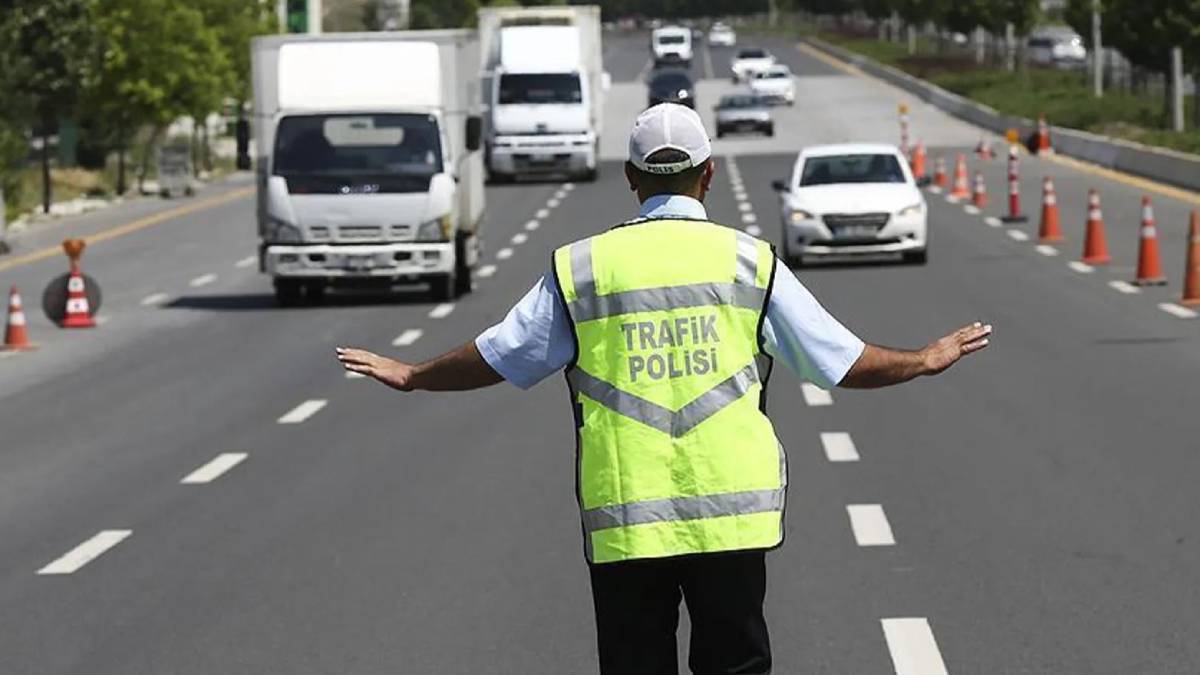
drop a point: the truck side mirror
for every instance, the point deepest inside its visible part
(474, 133)
(242, 130)
(779, 185)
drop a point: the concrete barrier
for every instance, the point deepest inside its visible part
(1167, 166)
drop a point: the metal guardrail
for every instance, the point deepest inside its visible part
(1180, 169)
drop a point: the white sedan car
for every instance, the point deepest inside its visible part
(775, 85)
(721, 36)
(852, 200)
(748, 62)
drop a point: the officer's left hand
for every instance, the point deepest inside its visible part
(395, 374)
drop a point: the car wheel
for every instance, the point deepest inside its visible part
(917, 257)
(770, 131)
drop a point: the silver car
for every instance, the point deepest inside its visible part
(743, 113)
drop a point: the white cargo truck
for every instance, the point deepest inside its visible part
(544, 79)
(368, 162)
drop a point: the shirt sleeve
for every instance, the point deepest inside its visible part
(533, 341)
(802, 334)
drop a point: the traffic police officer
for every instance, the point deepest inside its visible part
(666, 326)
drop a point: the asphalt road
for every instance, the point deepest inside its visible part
(1039, 499)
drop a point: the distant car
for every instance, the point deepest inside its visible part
(672, 86)
(775, 85)
(743, 113)
(721, 35)
(852, 199)
(671, 45)
(749, 61)
(1059, 47)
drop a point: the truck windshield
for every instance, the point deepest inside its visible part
(670, 39)
(540, 88)
(851, 169)
(358, 153)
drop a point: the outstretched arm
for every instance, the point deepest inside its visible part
(457, 370)
(882, 367)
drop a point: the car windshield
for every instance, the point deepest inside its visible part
(851, 169)
(732, 102)
(395, 152)
(752, 54)
(670, 39)
(540, 88)
(774, 75)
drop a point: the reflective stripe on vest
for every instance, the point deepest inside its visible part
(675, 454)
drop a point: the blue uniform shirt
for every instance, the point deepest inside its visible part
(534, 340)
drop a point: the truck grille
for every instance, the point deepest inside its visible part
(360, 232)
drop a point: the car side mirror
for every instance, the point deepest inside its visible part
(779, 185)
(474, 133)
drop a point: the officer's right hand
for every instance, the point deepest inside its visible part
(395, 374)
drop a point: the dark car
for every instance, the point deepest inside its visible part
(672, 86)
(743, 112)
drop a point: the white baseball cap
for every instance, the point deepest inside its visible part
(668, 126)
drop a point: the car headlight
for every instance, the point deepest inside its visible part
(437, 229)
(800, 215)
(913, 210)
(279, 232)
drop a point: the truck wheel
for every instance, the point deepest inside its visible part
(315, 293)
(463, 282)
(589, 175)
(443, 286)
(287, 293)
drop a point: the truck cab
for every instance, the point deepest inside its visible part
(671, 45)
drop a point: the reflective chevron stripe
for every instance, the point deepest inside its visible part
(683, 508)
(589, 307)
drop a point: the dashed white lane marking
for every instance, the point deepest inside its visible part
(814, 395)
(351, 375)
(935, 189)
(532, 225)
(542, 213)
(561, 194)
(7, 354)
(839, 447)
(745, 206)
(552, 203)
(645, 70)
(1082, 268)
(441, 311)
(504, 253)
(912, 646)
(971, 209)
(520, 238)
(951, 199)
(303, 411)
(753, 230)
(870, 525)
(992, 221)
(101, 319)
(749, 218)
(1123, 287)
(1017, 235)
(247, 261)
(486, 271)
(86, 552)
(155, 299)
(407, 337)
(1177, 310)
(568, 186)
(202, 280)
(1046, 250)
(213, 470)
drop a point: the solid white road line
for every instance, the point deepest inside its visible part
(542, 213)
(912, 646)
(303, 411)
(1124, 287)
(753, 230)
(156, 299)
(504, 253)
(839, 447)
(486, 271)
(441, 311)
(749, 218)
(520, 238)
(247, 261)
(1017, 235)
(992, 221)
(971, 209)
(870, 525)
(1082, 268)
(708, 61)
(552, 203)
(86, 552)
(213, 470)
(202, 280)
(532, 225)
(1047, 250)
(1178, 310)
(407, 337)
(814, 395)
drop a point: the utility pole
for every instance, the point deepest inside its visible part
(1177, 88)
(1010, 47)
(772, 13)
(1097, 52)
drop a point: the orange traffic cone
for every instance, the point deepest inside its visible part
(16, 336)
(918, 162)
(1149, 269)
(979, 197)
(984, 150)
(1095, 246)
(1050, 230)
(1191, 276)
(961, 189)
(940, 179)
(79, 313)
(1043, 136)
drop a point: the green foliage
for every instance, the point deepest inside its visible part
(425, 14)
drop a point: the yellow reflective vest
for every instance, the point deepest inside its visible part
(675, 452)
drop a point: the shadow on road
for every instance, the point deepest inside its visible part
(266, 301)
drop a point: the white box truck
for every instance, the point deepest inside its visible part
(544, 79)
(368, 162)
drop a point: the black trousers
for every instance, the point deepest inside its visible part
(637, 613)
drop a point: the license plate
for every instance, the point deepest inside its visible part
(541, 159)
(855, 232)
(359, 262)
